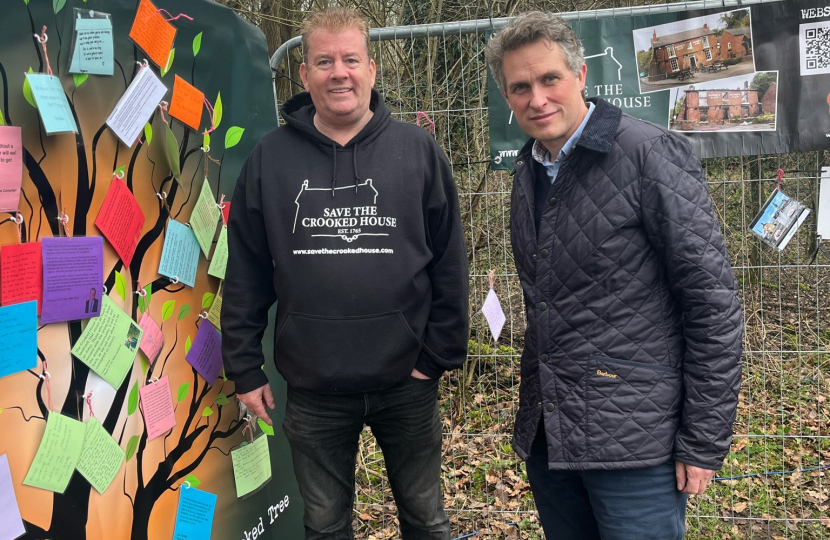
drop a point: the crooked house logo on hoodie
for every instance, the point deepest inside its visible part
(347, 212)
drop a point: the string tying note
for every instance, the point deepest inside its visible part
(140, 290)
(186, 484)
(211, 113)
(491, 275)
(18, 219)
(118, 175)
(63, 219)
(203, 315)
(174, 280)
(88, 399)
(780, 179)
(154, 380)
(428, 119)
(42, 39)
(172, 18)
(163, 106)
(249, 427)
(47, 378)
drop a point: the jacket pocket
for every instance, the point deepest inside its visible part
(633, 409)
(346, 354)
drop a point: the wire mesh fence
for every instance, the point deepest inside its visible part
(773, 483)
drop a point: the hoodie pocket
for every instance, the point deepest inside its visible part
(346, 354)
(633, 409)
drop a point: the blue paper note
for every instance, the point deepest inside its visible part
(194, 518)
(92, 52)
(51, 103)
(180, 254)
(18, 337)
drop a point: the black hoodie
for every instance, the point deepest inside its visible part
(361, 245)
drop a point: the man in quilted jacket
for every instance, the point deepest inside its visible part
(631, 366)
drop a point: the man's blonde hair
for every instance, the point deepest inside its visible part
(334, 19)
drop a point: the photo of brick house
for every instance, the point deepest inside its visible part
(735, 43)
(690, 49)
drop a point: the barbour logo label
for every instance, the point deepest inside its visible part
(602, 373)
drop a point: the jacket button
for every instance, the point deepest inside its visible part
(541, 306)
(519, 162)
(550, 407)
(552, 201)
(544, 253)
(543, 358)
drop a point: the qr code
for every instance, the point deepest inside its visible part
(815, 48)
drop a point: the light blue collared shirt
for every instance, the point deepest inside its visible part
(541, 154)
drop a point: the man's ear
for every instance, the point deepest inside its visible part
(304, 75)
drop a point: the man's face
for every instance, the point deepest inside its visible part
(92, 294)
(543, 93)
(339, 75)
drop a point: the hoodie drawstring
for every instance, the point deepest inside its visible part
(334, 165)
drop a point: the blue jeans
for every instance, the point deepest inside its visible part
(628, 504)
(323, 431)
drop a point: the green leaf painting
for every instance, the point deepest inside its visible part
(206, 141)
(169, 64)
(207, 411)
(144, 301)
(132, 444)
(207, 300)
(132, 403)
(233, 136)
(194, 482)
(80, 78)
(197, 44)
(27, 91)
(120, 171)
(167, 310)
(171, 146)
(121, 285)
(144, 362)
(2, 119)
(184, 311)
(268, 430)
(182, 392)
(187, 344)
(221, 399)
(217, 111)
(57, 5)
(148, 133)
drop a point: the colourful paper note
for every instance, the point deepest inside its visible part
(57, 454)
(11, 167)
(21, 274)
(151, 339)
(152, 33)
(51, 103)
(204, 218)
(109, 343)
(101, 457)
(194, 518)
(18, 338)
(493, 313)
(73, 277)
(136, 106)
(186, 104)
(157, 405)
(180, 254)
(206, 353)
(215, 311)
(226, 211)
(11, 524)
(92, 51)
(219, 262)
(251, 466)
(121, 220)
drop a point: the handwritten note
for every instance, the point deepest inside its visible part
(186, 104)
(493, 313)
(204, 218)
(121, 220)
(11, 167)
(157, 404)
(219, 262)
(215, 312)
(101, 457)
(73, 276)
(152, 33)
(251, 466)
(136, 106)
(11, 524)
(206, 353)
(21, 274)
(51, 103)
(57, 454)
(18, 338)
(109, 343)
(194, 518)
(92, 51)
(180, 254)
(151, 339)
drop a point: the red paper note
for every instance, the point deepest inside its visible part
(186, 104)
(21, 274)
(157, 404)
(226, 212)
(152, 339)
(121, 220)
(152, 33)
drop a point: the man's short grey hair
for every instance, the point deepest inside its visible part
(526, 29)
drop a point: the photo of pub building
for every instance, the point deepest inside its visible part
(747, 104)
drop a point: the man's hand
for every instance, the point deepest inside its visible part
(418, 375)
(257, 400)
(692, 480)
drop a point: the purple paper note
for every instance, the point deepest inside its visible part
(11, 167)
(73, 277)
(206, 353)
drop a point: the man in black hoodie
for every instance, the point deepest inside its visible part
(350, 221)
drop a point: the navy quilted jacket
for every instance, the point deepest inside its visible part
(633, 344)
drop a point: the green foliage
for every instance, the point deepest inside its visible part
(167, 310)
(169, 63)
(221, 399)
(27, 91)
(207, 411)
(644, 59)
(233, 136)
(148, 133)
(132, 402)
(217, 111)
(206, 141)
(762, 82)
(207, 300)
(79, 78)
(181, 393)
(736, 19)
(194, 482)
(268, 430)
(144, 301)
(184, 311)
(731, 61)
(2, 118)
(132, 444)
(187, 344)
(57, 5)
(121, 285)
(197, 44)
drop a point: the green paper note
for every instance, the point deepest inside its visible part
(220, 255)
(216, 310)
(109, 343)
(101, 457)
(251, 466)
(204, 218)
(57, 454)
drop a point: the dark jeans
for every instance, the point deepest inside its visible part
(629, 504)
(323, 431)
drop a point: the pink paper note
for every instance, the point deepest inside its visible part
(152, 339)
(21, 274)
(121, 220)
(206, 353)
(11, 167)
(157, 404)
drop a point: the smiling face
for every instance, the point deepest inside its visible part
(339, 75)
(544, 94)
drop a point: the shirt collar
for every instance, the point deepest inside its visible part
(542, 155)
